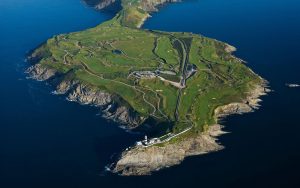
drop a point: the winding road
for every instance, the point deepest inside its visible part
(86, 68)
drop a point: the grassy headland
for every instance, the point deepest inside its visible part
(172, 77)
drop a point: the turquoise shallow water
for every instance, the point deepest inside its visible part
(46, 141)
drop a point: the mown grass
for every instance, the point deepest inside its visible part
(133, 97)
(165, 50)
(220, 77)
(167, 93)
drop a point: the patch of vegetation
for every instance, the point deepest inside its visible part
(149, 69)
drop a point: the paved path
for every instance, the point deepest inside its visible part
(65, 57)
(183, 75)
(134, 87)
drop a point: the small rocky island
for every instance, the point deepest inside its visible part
(292, 85)
(138, 76)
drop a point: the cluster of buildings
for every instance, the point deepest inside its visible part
(144, 74)
(150, 74)
(148, 142)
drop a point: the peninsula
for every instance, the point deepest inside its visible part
(178, 82)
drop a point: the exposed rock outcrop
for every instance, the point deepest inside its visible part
(113, 108)
(41, 73)
(65, 86)
(144, 160)
(151, 5)
(229, 48)
(107, 102)
(253, 97)
(146, 5)
(248, 105)
(232, 108)
(141, 160)
(86, 95)
(99, 4)
(110, 106)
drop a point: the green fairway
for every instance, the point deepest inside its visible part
(151, 70)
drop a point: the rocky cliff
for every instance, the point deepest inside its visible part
(112, 107)
(249, 104)
(40, 73)
(141, 160)
(137, 160)
(151, 5)
(144, 160)
(99, 4)
(146, 5)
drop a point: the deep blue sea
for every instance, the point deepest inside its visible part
(46, 141)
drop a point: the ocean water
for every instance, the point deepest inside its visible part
(46, 141)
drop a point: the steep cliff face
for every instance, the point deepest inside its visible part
(40, 73)
(133, 13)
(151, 5)
(248, 105)
(112, 107)
(106, 88)
(99, 4)
(146, 5)
(144, 160)
(141, 160)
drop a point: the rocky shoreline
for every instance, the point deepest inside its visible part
(249, 104)
(99, 4)
(141, 160)
(147, 6)
(112, 107)
(40, 73)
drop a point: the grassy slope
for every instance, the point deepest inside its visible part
(220, 79)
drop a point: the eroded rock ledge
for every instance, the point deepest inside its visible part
(40, 73)
(144, 160)
(249, 104)
(100, 4)
(146, 5)
(111, 106)
(141, 160)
